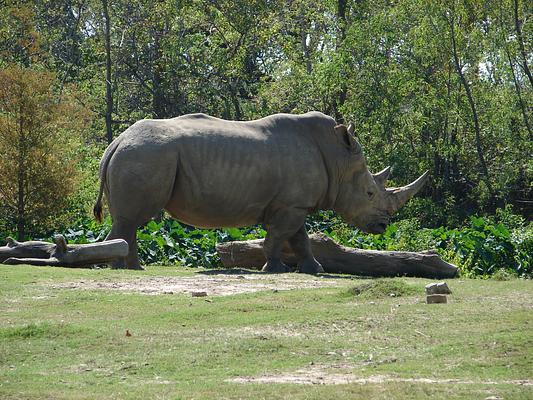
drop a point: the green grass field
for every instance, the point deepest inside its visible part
(61, 341)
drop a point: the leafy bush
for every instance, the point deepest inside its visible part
(483, 246)
(168, 242)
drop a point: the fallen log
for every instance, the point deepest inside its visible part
(61, 254)
(336, 258)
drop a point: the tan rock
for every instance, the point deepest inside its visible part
(436, 298)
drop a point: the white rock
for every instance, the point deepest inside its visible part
(438, 288)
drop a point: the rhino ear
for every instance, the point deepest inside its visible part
(11, 242)
(345, 134)
(351, 129)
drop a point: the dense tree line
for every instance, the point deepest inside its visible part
(444, 85)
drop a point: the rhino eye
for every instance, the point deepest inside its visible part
(370, 194)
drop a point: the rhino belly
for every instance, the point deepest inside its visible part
(208, 218)
(215, 209)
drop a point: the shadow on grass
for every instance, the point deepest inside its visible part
(243, 271)
(231, 271)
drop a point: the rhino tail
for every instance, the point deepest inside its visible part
(98, 209)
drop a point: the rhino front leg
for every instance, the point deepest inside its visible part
(280, 226)
(299, 243)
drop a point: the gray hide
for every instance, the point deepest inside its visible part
(208, 172)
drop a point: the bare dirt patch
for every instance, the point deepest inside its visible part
(213, 285)
(343, 374)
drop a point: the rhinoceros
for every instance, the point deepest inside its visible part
(208, 172)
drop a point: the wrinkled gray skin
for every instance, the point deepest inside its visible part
(210, 173)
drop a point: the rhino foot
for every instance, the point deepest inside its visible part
(121, 264)
(310, 267)
(275, 267)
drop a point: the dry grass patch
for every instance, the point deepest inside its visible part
(213, 285)
(342, 374)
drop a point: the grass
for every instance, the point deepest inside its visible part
(380, 288)
(72, 344)
(40, 330)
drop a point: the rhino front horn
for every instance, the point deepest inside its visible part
(403, 194)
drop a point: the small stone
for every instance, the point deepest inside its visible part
(438, 288)
(436, 298)
(198, 294)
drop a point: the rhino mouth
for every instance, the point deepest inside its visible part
(377, 227)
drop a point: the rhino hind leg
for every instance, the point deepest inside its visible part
(301, 247)
(140, 182)
(127, 230)
(280, 227)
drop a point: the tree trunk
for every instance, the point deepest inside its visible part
(519, 95)
(518, 29)
(466, 86)
(302, 21)
(21, 224)
(339, 259)
(340, 99)
(59, 254)
(158, 108)
(108, 90)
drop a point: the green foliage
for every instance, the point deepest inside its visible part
(170, 242)
(167, 242)
(398, 70)
(481, 248)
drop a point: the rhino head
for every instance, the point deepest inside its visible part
(363, 200)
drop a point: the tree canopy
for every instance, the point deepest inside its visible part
(39, 135)
(429, 84)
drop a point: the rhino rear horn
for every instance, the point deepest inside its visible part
(404, 193)
(381, 177)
